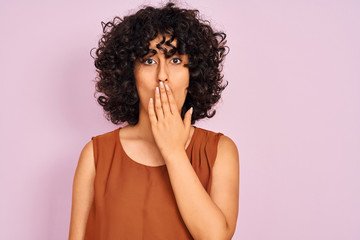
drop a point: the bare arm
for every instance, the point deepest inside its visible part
(207, 216)
(83, 193)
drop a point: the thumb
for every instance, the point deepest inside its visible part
(187, 119)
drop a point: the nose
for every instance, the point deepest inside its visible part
(163, 73)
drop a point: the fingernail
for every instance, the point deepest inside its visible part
(161, 84)
(157, 89)
(191, 110)
(167, 87)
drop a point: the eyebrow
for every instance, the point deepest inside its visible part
(151, 54)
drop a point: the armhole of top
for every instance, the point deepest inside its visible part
(94, 142)
(212, 152)
(215, 147)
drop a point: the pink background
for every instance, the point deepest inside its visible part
(292, 107)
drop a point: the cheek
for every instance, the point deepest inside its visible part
(142, 85)
(145, 91)
(180, 92)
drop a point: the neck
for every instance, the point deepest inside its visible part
(143, 128)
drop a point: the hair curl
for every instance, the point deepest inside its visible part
(126, 40)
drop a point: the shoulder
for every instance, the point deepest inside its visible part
(227, 153)
(222, 146)
(88, 148)
(86, 158)
(226, 144)
(105, 140)
(85, 170)
(106, 135)
(207, 135)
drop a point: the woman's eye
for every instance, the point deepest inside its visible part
(148, 61)
(177, 60)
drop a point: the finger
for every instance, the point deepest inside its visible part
(164, 100)
(187, 119)
(158, 108)
(172, 103)
(151, 112)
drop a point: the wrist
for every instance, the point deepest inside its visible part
(174, 155)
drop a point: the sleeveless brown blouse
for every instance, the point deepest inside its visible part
(133, 201)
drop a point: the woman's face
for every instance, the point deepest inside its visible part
(157, 68)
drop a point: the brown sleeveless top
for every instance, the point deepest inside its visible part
(134, 201)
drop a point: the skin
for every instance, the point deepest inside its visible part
(149, 75)
(163, 137)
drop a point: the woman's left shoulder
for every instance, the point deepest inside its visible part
(223, 139)
(227, 158)
(226, 145)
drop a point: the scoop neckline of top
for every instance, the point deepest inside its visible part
(117, 131)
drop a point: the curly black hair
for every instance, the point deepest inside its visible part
(126, 40)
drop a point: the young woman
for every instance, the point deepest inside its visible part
(159, 177)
